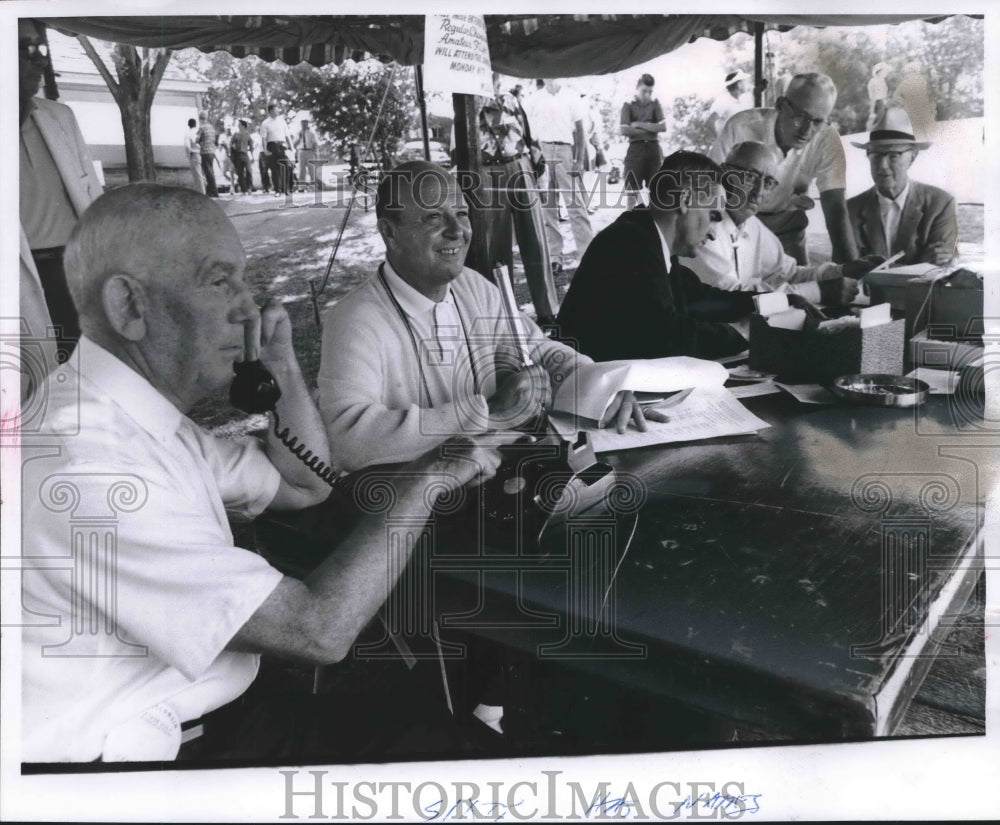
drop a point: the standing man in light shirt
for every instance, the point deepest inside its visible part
(732, 99)
(194, 155)
(57, 183)
(306, 144)
(207, 146)
(277, 143)
(744, 255)
(642, 121)
(557, 123)
(809, 150)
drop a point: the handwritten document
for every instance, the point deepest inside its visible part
(709, 412)
(589, 390)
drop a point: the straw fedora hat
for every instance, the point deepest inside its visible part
(893, 128)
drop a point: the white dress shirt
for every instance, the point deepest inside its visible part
(891, 210)
(441, 338)
(750, 258)
(136, 561)
(274, 129)
(553, 117)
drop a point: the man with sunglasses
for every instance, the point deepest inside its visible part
(808, 150)
(745, 255)
(899, 214)
(57, 183)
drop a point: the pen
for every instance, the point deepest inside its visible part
(885, 264)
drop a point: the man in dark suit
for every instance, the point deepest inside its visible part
(630, 298)
(899, 214)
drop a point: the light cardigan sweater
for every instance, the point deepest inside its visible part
(370, 391)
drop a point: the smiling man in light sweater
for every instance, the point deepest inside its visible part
(422, 350)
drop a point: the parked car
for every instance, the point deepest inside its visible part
(414, 150)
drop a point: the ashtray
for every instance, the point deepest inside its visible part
(880, 390)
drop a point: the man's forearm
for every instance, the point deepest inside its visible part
(838, 226)
(297, 412)
(352, 583)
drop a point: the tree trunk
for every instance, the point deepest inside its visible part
(137, 81)
(138, 142)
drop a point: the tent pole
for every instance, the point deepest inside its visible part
(758, 64)
(470, 168)
(418, 77)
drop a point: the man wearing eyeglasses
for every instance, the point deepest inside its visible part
(58, 183)
(899, 214)
(808, 150)
(633, 298)
(745, 255)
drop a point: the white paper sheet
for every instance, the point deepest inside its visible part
(759, 388)
(941, 382)
(808, 393)
(589, 390)
(708, 412)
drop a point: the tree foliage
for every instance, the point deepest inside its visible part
(687, 125)
(243, 88)
(950, 54)
(346, 103)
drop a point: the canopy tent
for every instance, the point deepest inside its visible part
(555, 45)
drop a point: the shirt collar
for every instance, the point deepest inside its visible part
(728, 225)
(663, 243)
(140, 400)
(899, 200)
(414, 303)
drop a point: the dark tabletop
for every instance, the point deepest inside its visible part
(781, 578)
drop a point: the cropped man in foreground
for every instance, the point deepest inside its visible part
(157, 276)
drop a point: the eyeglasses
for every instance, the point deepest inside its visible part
(801, 116)
(892, 157)
(33, 50)
(750, 177)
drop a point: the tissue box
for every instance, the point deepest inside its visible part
(949, 308)
(818, 357)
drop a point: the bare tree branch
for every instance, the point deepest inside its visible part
(95, 58)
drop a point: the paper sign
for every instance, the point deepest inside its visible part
(876, 315)
(769, 303)
(456, 54)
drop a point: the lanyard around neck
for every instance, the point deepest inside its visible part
(416, 348)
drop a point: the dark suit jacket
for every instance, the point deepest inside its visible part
(622, 303)
(928, 217)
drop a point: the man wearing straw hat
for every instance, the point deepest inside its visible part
(899, 214)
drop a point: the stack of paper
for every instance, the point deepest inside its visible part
(589, 390)
(709, 412)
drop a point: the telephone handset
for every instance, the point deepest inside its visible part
(254, 390)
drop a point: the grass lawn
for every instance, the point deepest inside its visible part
(289, 247)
